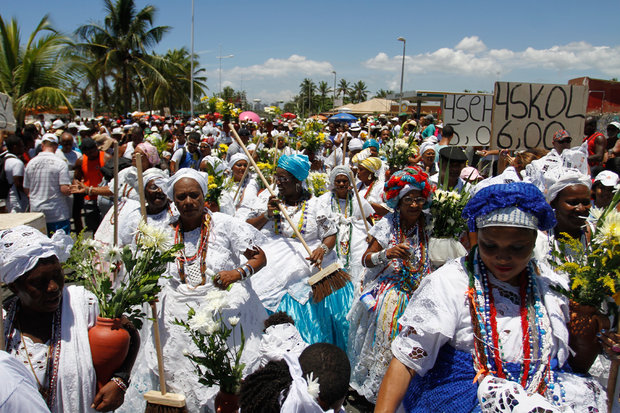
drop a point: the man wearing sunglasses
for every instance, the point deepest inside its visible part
(187, 156)
(561, 140)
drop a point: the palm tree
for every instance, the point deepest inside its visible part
(343, 88)
(359, 92)
(382, 93)
(120, 46)
(175, 66)
(307, 89)
(34, 75)
(323, 90)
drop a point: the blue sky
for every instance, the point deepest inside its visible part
(451, 45)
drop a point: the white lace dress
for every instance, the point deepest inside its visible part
(229, 238)
(386, 290)
(247, 194)
(438, 319)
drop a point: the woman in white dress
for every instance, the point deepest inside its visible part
(396, 260)
(219, 252)
(488, 332)
(239, 193)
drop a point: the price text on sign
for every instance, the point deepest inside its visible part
(526, 115)
(470, 116)
(7, 118)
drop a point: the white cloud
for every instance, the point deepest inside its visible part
(274, 68)
(471, 44)
(471, 57)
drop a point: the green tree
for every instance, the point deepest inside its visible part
(343, 89)
(324, 90)
(34, 75)
(307, 93)
(121, 44)
(359, 92)
(382, 93)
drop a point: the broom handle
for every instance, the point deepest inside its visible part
(2, 344)
(260, 138)
(141, 186)
(344, 148)
(160, 357)
(116, 193)
(262, 177)
(359, 202)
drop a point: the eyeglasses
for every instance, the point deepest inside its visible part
(566, 140)
(409, 200)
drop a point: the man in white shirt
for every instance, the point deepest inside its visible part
(17, 200)
(47, 182)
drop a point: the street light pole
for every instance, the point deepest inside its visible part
(334, 98)
(222, 57)
(402, 72)
(191, 75)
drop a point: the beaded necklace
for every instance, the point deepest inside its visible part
(369, 190)
(205, 231)
(301, 226)
(535, 373)
(344, 246)
(409, 276)
(53, 354)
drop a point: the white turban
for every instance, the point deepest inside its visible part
(22, 247)
(200, 177)
(160, 176)
(236, 158)
(356, 144)
(559, 178)
(426, 146)
(339, 170)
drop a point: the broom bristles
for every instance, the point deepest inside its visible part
(328, 281)
(158, 408)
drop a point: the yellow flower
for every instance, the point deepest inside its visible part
(223, 147)
(608, 282)
(579, 282)
(212, 186)
(211, 180)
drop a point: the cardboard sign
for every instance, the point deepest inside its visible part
(526, 115)
(7, 117)
(470, 116)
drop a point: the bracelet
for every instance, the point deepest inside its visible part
(242, 273)
(248, 269)
(120, 383)
(378, 258)
(90, 189)
(324, 247)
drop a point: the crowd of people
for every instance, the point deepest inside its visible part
(486, 331)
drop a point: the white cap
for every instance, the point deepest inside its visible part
(177, 122)
(57, 124)
(72, 125)
(47, 124)
(154, 129)
(355, 127)
(50, 137)
(394, 120)
(126, 127)
(117, 131)
(82, 127)
(188, 130)
(607, 178)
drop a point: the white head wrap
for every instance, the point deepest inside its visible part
(299, 400)
(559, 178)
(200, 177)
(160, 176)
(23, 246)
(236, 158)
(356, 144)
(278, 340)
(339, 170)
(426, 146)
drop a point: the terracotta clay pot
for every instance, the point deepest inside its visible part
(226, 402)
(109, 345)
(585, 323)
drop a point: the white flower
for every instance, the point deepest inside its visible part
(313, 386)
(201, 321)
(215, 301)
(153, 237)
(233, 321)
(91, 243)
(610, 227)
(113, 254)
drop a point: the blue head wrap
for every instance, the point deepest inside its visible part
(517, 204)
(297, 165)
(369, 143)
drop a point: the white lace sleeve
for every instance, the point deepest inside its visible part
(432, 318)
(325, 220)
(253, 207)
(242, 235)
(557, 308)
(382, 229)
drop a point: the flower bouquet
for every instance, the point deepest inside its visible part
(317, 183)
(95, 265)
(398, 150)
(218, 358)
(448, 226)
(310, 135)
(216, 185)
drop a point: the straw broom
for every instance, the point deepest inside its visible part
(328, 279)
(157, 401)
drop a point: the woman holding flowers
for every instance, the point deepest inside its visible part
(489, 331)
(396, 260)
(240, 192)
(47, 323)
(283, 286)
(219, 253)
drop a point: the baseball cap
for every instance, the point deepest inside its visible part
(50, 137)
(607, 178)
(560, 134)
